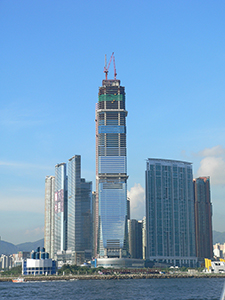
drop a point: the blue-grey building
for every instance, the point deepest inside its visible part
(111, 171)
(68, 213)
(135, 238)
(170, 224)
(79, 225)
(203, 218)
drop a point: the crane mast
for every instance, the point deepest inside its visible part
(106, 69)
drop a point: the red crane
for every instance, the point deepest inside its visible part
(106, 69)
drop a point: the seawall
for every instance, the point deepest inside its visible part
(114, 277)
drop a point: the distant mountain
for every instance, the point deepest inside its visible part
(218, 237)
(30, 246)
(9, 248)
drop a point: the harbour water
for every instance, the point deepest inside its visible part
(166, 289)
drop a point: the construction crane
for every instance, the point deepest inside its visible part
(106, 69)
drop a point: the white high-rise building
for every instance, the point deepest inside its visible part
(60, 236)
(49, 215)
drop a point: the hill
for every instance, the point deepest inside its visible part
(218, 237)
(9, 248)
(29, 246)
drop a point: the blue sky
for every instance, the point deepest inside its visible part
(170, 56)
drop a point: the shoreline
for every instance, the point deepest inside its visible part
(112, 277)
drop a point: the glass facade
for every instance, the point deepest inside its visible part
(60, 208)
(170, 212)
(73, 197)
(79, 208)
(68, 212)
(203, 218)
(111, 170)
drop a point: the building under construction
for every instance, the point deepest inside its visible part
(111, 169)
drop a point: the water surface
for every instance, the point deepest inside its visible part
(171, 289)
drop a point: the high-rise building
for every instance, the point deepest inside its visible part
(74, 202)
(170, 212)
(144, 242)
(60, 242)
(111, 170)
(86, 216)
(79, 227)
(94, 224)
(135, 238)
(128, 208)
(6, 261)
(203, 218)
(49, 215)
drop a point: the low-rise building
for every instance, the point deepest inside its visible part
(214, 266)
(70, 257)
(39, 264)
(119, 263)
(32, 266)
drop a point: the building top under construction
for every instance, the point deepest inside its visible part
(111, 82)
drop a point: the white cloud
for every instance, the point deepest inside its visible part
(213, 164)
(137, 201)
(214, 151)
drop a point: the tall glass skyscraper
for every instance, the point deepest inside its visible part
(79, 232)
(170, 212)
(203, 218)
(60, 208)
(111, 170)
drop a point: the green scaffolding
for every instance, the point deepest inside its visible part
(110, 97)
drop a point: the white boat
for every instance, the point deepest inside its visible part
(18, 280)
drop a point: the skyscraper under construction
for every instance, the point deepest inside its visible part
(111, 169)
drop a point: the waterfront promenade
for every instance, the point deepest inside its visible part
(115, 276)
